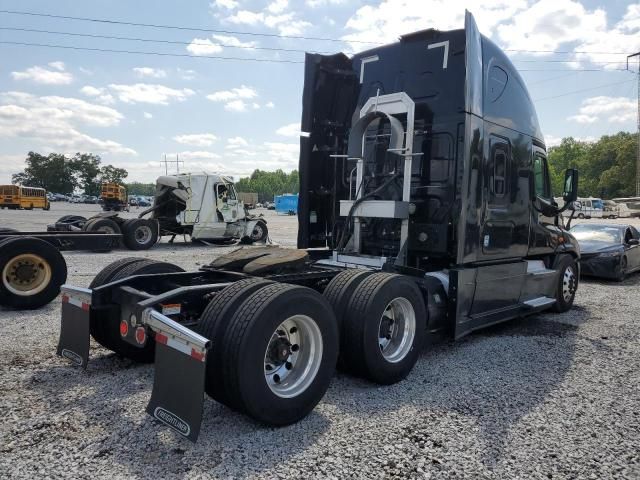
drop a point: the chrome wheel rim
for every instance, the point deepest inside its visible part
(27, 274)
(143, 234)
(568, 284)
(293, 356)
(397, 330)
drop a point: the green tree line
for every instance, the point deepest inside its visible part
(607, 167)
(269, 184)
(61, 174)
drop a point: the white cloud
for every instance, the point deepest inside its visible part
(53, 122)
(322, 3)
(72, 109)
(581, 118)
(623, 37)
(235, 98)
(206, 46)
(196, 139)
(235, 142)
(290, 130)
(203, 46)
(186, 74)
(236, 106)
(278, 6)
(37, 74)
(195, 155)
(100, 94)
(552, 141)
(242, 91)
(272, 17)
(57, 65)
(147, 115)
(604, 108)
(228, 40)
(150, 93)
(391, 18)
(228, 4)
(270, 105)
(148, 72)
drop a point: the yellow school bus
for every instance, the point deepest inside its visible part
(113, 196)
(28, 198)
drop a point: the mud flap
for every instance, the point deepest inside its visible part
(74, 329)
(178, 384)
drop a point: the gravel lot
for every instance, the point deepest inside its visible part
(551, 396)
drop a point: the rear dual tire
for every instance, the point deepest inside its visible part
(384, 328)
(140, 233)
(105, 323)
(276, 350)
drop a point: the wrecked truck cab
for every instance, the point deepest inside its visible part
(204, 206)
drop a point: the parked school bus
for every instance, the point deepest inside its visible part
(114, 197)
(17, 197)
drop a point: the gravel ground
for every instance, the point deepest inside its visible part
(551, 396)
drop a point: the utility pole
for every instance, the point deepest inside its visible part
(638, 131)
(166, 162)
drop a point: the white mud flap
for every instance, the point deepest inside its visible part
(178, 384)
(74, 329)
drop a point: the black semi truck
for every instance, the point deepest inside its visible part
(425, 209)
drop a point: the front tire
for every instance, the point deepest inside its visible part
(567, 284)
(384, 329)
(259, 233)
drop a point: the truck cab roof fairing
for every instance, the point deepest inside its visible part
(446, 74)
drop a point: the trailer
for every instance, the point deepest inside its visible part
(286, 204)
(249, 199)
(425, 209)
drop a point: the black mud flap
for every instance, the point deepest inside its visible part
(74, 329)
(178, 384)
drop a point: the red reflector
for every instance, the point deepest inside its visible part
(141, 335)
(65, 299)
(85, 306)
(124, 328)
(161, 338)
(197, 355)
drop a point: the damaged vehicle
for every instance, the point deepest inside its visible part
(203, 206)
(608, 250)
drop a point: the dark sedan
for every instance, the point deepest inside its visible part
(608, 250)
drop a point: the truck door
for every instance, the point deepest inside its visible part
(543, 228)
(227, 202)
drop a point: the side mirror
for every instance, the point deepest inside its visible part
(570, 193)
(633, 241)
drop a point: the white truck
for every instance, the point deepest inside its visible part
(202, 205)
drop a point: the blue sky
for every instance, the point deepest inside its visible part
(235, 116)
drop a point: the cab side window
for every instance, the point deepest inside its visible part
(541, 177)
(498, 168)
(500, 172)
